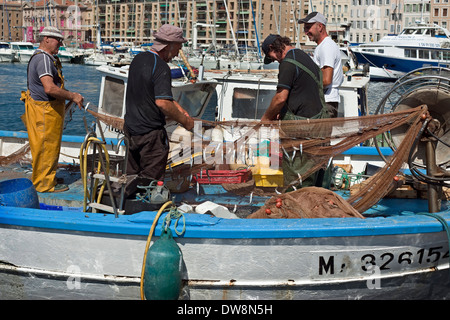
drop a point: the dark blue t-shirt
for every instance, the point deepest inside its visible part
(148, 79)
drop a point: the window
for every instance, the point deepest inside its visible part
(192, 100)
(435, 55)
(410, 53)
(424, 54)
(113, 96)
(245, 104)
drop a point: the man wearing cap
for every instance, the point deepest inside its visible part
(148, 101)
(327, 56)
(45, 110)
(299, 95)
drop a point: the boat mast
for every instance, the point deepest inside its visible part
(231, 27)
(256, 30)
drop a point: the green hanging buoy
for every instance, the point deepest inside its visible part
(162, 274)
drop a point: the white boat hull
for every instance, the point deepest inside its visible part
(65, 59)
(44, 263)
(383, 74)
(25, 57)
(8, 57)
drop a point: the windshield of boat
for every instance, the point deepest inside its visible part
(23, 47)
(408, 31)
(251, 103)
(193, 99)
(113, 94)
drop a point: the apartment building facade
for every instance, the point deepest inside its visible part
(415, 11)
(11, 21)
(440, 13)
(228, 22)
(337, 13)
(204, 21)
(64, 14)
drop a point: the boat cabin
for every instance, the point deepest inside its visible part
(194, 97)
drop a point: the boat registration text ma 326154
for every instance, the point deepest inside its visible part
(333, 265)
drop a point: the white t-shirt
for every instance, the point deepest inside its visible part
(327, 53)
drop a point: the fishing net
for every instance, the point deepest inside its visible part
(16, 156)
(322, 139)
(310, 202)
(114, 122)
(318, 141)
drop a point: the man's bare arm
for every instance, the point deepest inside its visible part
(171, 110)
(56, 92)
(276, 105)
(327, 75)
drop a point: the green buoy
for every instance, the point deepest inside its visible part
(162, 274)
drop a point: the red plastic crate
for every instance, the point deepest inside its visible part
(222, 176)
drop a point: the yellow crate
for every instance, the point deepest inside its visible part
(266, 177)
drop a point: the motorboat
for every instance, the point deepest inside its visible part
(7, 54)
(417, 46)
(64, 55)
(24, 49)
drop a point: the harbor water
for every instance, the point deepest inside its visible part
(86, 80)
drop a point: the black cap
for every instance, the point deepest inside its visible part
(266, 47)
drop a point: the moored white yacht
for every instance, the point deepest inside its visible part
(7, 54)
(24, 49)
(64, 55)
(418, 46)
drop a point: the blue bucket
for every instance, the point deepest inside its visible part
(18, 193)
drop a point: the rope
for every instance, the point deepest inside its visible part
(175, 215)
(444, 225)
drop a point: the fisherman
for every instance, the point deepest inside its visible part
(327, 56)
(299, 96)
(148, 101)
(45, 110)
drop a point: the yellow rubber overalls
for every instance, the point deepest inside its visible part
(45, 123)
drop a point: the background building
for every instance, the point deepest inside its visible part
(245, 22)
(64, 14)
(204, 21)
(440, 12)
(11, 18)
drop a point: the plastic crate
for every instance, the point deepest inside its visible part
(222, 176)
(266, 177)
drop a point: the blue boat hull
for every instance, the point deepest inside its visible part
(393, 63)
(76, 255)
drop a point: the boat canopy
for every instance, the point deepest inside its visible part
(426, 30)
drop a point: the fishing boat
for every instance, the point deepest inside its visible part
(24, 49)
(98, 59)
(397, 250)
(7, 54)
(417, 46)
(64, 55)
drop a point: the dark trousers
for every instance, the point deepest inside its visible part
(148, 154)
